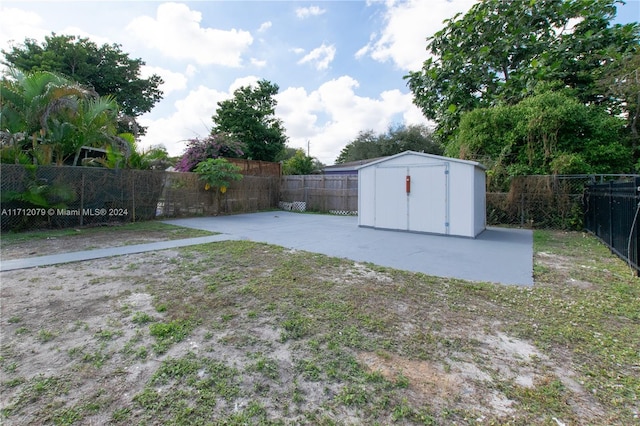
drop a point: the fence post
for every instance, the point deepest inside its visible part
(610, 242)
(133, 197)
(635, 229)
(304, 189)
(82, 200)
(345, 187)
(324, 194)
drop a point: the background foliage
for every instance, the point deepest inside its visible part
(250, 117)
(399, 139)
(106, 69)
(500, 58)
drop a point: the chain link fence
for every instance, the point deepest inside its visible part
(544, 202)
(60, 197)
(35, 197)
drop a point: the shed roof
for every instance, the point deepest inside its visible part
(422, 154)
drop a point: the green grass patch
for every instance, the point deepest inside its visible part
(168, 333)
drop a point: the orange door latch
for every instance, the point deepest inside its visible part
(408, 184)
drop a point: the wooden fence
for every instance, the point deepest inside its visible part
(257, 168)
(323, 193)
(184, 195)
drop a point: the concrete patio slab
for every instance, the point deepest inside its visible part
(497, 255)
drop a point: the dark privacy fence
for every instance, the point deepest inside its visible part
(611, 213)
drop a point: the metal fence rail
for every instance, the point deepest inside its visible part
(611, 214)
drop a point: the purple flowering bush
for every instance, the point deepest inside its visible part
(213, 146)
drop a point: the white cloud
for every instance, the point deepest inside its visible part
(321, 56)
(173, 81)
(258, 63)
(407, 26)
(305, 12)
(250, 80)
(191, 118)
(176, 33)
(17, 24)
(191, 71)
(264, 26)
(333, 115)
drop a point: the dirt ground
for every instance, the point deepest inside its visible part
(72, 351)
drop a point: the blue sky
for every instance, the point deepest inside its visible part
(339, 64)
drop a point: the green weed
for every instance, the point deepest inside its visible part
(168, 333)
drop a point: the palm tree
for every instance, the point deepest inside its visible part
(44, 114)
(30, 103)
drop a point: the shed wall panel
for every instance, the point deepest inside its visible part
(390, 198)
(366, 197)
(428, 199)
(480, 201)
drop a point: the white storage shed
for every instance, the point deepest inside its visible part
(417, 192)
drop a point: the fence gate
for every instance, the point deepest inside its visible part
(611, 214)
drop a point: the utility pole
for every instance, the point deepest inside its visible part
(308, 148)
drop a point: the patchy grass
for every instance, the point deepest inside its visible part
(244, 333)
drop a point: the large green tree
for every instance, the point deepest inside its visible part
(368, 144)
(499, 51)
(548, 133)
(622, 83)
(107, 69)
(250, 117)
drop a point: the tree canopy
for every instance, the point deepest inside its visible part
(250, 117)
(368, 144)
(500, 51)
(106, 69)
(548, 133)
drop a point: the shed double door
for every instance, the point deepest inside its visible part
(423, 209)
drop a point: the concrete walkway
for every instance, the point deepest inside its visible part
(497, 255)
(78, 256)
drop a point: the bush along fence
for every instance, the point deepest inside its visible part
(34, 197)
(540, 202)
(611, 214)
